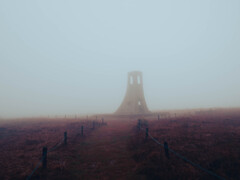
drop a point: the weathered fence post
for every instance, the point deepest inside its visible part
(146, 133)
(44, 157)
(139, 124)
(158, 117)
(93, 124)
(102, 121)
(65, 137)
(82, 130)
(166, 149)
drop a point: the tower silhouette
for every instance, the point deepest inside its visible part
(134, 101)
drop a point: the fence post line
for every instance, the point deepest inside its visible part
(139, 124)
(44, 157)
(146, 133)
(65, 137)
(166, 149)
(82, 130)
(158, 117)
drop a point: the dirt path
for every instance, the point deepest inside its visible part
(104, 154)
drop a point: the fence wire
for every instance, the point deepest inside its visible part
(56, 146)
(156, 141)
(50, 150)
(39, 163)
(37, 166)
(184, 158)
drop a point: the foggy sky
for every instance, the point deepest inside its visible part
(72, 57)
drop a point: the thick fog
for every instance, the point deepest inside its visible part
(72, 57)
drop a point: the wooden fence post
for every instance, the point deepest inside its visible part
(146, 133)
(158, 117)
(102, 121)
(44, 157)
(93, 124)
(139, 124)
(65, 137)
(166, 149)
(82, 130)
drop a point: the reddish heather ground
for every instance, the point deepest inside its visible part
(119, 150)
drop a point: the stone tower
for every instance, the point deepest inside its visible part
(134, 101)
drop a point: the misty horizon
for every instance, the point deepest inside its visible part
(72, 58)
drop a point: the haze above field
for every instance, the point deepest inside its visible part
(72, 57)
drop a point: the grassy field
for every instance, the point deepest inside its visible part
(119, 150)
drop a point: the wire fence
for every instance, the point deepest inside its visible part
(44, 156)
(147, 134)
(179, 155)
(37, 166)
(90, 126)
(56, 146)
